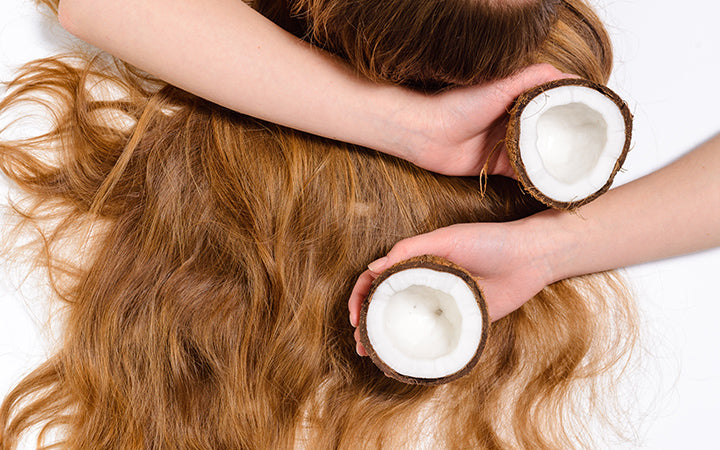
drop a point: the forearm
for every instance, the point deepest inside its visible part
(673, 211)
(226, 52)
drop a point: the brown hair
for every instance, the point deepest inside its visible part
(435, 42)
(204, 259)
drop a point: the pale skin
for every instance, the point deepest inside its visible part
(226, 52)
(673, 211)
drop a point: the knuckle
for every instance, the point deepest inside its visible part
(401, 249)
(548, 71)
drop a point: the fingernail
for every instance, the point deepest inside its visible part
(353, 322)
(357, 348)
(378, 265)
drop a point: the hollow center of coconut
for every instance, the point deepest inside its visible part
(570, 140)
(424, 323)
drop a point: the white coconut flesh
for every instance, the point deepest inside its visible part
(424, 323)
(570, 140)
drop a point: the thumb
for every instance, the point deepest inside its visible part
(511, 87)
(438, 243)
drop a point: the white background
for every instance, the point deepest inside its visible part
(668, 68)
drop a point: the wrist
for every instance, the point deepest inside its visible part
(399, 131)
(556, 242)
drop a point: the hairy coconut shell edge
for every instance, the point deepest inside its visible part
(434, 263)
(512, 139)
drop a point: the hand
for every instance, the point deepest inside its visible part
(462, 130)
(507, 259)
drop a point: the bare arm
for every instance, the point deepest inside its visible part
(228, 53)
(673, 211)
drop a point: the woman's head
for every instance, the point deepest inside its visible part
(430, 43)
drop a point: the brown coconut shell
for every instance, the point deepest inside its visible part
(512, 139)
(438, 264)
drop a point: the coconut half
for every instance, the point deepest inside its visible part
(424, 321)
(567, 139)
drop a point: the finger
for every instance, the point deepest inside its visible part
(510, 88)
(359, 348)
(358, 294)
(436, 243)
(498, 161)
(530, 77)
(407, 248)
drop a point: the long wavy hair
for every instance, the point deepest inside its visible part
(203, 260)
